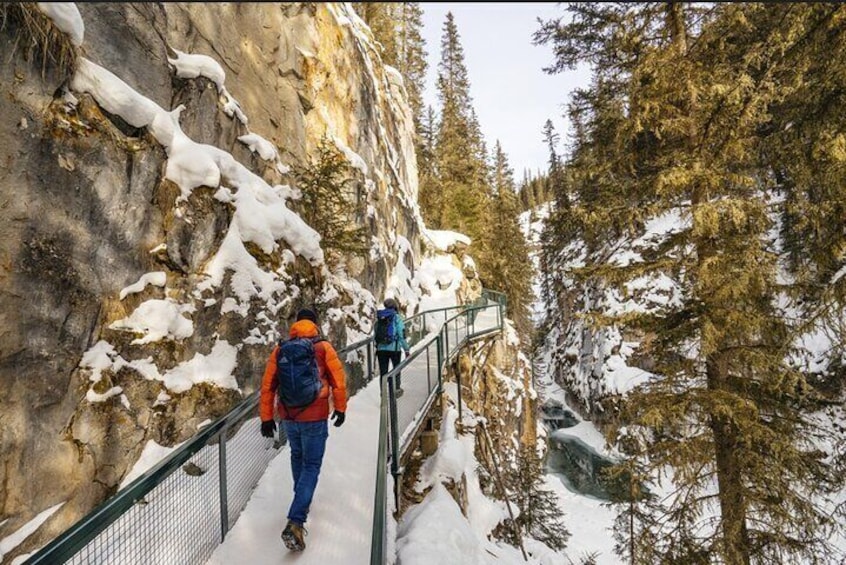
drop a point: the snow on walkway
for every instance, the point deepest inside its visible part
(340, 523)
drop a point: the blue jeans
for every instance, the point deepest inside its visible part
(307, 441)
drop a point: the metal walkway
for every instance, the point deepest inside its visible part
(182, 509)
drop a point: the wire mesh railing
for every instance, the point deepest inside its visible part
(180, 510)
(421, 375)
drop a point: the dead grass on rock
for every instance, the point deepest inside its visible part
(37, 39)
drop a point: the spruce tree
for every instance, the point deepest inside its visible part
(459, 149)
(329, 203)
(411, 61)
(540, 516)
(381, 18)
(508, 269)
(673, 123)
(430, 196)
(556, 170)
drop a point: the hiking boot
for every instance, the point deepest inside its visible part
(293, 536)
(399, 392)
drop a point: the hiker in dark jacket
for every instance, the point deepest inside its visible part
(391, 352)
(306, 427)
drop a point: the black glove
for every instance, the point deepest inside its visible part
(407, 353)
(267, 428)
(338, 417)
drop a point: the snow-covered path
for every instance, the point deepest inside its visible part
(340, 523)
(341, 519)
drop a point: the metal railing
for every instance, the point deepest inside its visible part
(421, 374)
(152, 519)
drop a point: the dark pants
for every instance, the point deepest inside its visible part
(307, 441)
(392, 357)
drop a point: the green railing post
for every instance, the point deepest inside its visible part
(379, 540)
(428, 369)
(458, 381)
(369, 355)
(440, 364)
(392, 406)
(222, 490)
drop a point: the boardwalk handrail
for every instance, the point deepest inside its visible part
(461, 320)
(106, 534)
(89, 539)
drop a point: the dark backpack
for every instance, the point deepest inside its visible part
(386, 331)
(297, 376)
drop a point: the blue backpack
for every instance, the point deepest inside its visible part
(297, 376)
(386, 332)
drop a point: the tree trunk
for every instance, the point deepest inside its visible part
(729, 477)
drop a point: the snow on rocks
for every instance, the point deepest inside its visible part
(191, 164)
(354, 158)
(444, 240)
(66, 17)
(189, 65)
(216, 368)
(98, 359)
(258, 144)
(94, 396)
(157, 320)
(436, 531)
(13, 540)
(157, 278)
(117, 97)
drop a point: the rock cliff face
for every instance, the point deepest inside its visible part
(497, 385)
(133, 305)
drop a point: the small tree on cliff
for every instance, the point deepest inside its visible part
(328, 195)
(540, 515)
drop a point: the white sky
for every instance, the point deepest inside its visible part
(512, 95)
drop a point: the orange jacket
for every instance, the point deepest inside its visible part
(331, 374)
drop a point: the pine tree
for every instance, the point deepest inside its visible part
(673, 122)
(411, 60)
(327, 187)
(540, 514)
(508, 268)
(459, 149)
(381, 18)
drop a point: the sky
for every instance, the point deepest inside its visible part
(512, 94)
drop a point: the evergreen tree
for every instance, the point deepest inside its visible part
(328, 203)
(430, 196)
(540, 515)
(673, 123)
(459, 149)
(381, 17)
(508, 268)
(556, 170)
(411, 61)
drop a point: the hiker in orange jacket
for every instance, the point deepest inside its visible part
(306, 427)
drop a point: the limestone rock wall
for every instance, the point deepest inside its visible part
(497, 385)
(87, 211)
